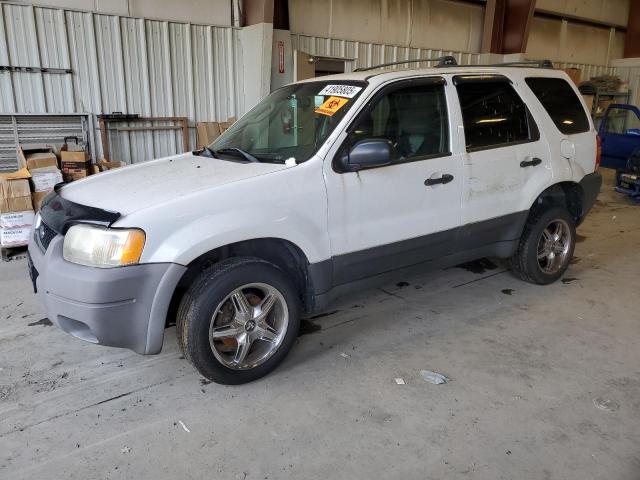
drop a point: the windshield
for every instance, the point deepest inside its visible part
(292, 122)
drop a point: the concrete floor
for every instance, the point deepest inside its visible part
(528, 367)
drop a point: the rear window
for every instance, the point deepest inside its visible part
(493, 114)
(561, 103)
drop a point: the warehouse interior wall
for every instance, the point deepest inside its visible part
(211, 12)
(437, 24)
(450, 25)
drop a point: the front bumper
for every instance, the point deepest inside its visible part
(590, 189)
(122, 307)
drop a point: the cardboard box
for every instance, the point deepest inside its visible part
(15, 237)
(15, 196)
(575, 74)
(75, 162)
(73, 174)
(207, 132)
(44, 181)
(74, 157)
(104, 165)
(37, 198)
(40, 160)
(16, 219)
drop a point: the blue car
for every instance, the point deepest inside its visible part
(620, 140)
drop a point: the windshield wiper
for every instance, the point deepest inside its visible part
(204, 152)
(235, 151)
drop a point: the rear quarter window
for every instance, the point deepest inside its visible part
(561, 103)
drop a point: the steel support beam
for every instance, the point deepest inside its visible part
(632, 38)
(506, 26)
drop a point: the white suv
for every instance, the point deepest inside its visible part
(326, 185)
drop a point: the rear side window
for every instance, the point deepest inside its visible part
(493, 114)
(561, 103)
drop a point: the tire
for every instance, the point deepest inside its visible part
(238, 345)
(525, 263)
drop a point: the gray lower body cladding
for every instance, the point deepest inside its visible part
(119, 307)
(590, 185)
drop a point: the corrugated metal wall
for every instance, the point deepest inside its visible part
(367, 54)
(132, 65)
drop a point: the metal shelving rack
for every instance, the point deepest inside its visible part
(624, 96)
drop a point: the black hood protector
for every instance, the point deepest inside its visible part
(60, 214)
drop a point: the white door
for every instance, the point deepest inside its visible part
(506, 165)
(385, 218)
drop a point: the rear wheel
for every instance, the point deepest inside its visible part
(546, 247)
(238, 320)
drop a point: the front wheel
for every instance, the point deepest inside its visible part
(546, 247)
(238, 320)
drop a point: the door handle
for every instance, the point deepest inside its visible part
(530, 163)
(444, 179)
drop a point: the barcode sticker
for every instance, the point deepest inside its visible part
(347, 91)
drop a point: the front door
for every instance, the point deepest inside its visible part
(407, 212)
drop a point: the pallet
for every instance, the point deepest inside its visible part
(13, 253)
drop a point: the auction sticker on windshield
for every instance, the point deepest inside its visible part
(348, 91)
(331, 106)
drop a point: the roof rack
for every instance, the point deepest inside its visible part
(450, 61)
(524, 63)
(446, 61)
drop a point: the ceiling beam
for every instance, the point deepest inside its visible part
(506, 26)
(632, 38)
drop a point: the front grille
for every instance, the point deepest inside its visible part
(43, 236)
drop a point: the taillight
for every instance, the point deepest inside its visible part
(598, 151)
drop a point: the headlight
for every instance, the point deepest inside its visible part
(103, 247)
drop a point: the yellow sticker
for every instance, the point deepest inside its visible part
(331, 105)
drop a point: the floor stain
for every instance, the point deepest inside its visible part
(507, 291)
(307, 327)
(478, 266)
(45, 322)
(580, 238)
(575, 260)
(568, 280)
(322, 315)
(402, 284)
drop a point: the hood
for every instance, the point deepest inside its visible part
(143, 185)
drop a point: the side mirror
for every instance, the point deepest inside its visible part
(369, 153)
(632, 132)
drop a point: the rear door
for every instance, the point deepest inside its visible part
(506, 163)
(620, 135)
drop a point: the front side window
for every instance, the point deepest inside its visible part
(493, 114)
(561, 103)
(413, 117)
(622, 121)
(292, 122)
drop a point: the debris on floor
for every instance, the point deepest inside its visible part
(344, 355)
(399, 381)
(606, 404)
(184, 427)
(433, 377)
(125, 449)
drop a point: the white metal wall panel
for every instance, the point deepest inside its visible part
(132, 65)
(6, 90)
(22, 48)
(54, 53)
